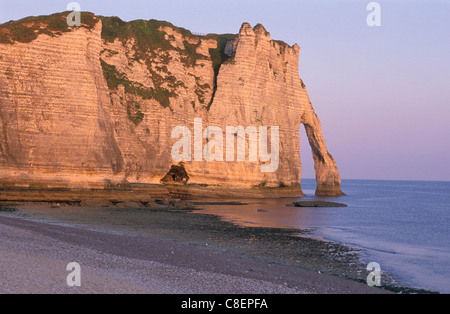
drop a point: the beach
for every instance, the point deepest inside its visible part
(164, 250)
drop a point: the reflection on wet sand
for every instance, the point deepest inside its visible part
(272, 213)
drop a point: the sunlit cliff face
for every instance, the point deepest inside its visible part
(97, 104)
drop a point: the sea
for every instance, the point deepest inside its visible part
(401, 225)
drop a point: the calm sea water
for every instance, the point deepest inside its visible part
(402, 225)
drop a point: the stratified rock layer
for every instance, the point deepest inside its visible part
(82, 109)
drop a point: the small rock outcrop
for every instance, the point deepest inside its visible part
(177, 174)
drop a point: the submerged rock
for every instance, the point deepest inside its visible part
(316, 204)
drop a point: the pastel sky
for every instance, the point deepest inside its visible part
(382, 93)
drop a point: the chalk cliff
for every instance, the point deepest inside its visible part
(95, 105)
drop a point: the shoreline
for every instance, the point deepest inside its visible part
(270, 255)
(183, 222)
(140, 193)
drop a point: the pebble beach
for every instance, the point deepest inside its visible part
(165, 250)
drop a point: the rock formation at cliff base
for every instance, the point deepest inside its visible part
(95, 105)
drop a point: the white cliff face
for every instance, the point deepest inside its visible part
(54, 110)
(80, 110)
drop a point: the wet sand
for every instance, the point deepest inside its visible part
(165, 249)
